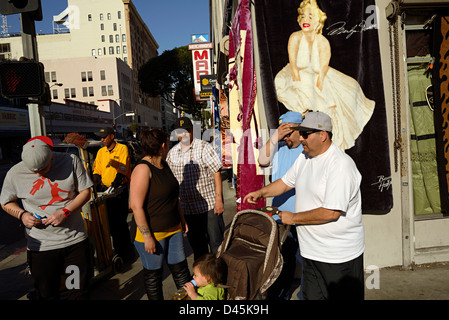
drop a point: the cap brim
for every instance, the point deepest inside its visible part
(101, 134)
(301, 128)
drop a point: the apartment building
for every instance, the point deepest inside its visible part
(95, 52)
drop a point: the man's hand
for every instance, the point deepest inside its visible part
(287, 217)
(252, 197)
(283, 130)
(218, 207)
(55, 219)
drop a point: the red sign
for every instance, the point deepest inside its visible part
(201, 66)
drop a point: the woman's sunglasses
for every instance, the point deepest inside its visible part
(305, 134)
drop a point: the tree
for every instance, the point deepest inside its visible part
(169, 75)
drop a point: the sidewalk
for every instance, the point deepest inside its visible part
(424, 282)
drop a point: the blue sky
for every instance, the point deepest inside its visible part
(170, 21)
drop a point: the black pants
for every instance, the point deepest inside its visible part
(333, 281)
(62, 269)
(205, 231)
(118, 225)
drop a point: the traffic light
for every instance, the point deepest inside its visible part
(21, 79)
(21, 6)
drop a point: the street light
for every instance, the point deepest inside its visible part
(127, 114)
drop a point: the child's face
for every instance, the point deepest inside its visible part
(200, 279)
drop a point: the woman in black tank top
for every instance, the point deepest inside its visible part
(154, 200)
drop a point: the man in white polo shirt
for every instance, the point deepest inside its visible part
(328, 213)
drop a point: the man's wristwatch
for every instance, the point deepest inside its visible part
(67, 212)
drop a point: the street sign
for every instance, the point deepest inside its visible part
(22, 6)
(21, 79)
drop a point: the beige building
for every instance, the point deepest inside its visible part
(96, 51)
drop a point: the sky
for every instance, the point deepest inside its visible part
(171, 22)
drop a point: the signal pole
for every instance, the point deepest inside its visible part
(29, 43)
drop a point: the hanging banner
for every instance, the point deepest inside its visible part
(324, 56)
(242, 105)
(441, 93)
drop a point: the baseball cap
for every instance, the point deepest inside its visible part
(103, 133)
(37, 153)
(290, 117)
(183, 123)
(315, 120)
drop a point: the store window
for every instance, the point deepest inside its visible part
(430, 195)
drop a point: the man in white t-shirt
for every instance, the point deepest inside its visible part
(328, 213)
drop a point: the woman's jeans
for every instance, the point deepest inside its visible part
(170, 249)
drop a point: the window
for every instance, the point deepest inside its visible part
(111, 50)
(83, 76)
(101, 16)
(89, 76)
(117, 38)
(123, 37)
(84, 91)
(66, 93)
(119, 14)
(102, 75)
(103, 38)
(53, 76)
(91, 91)
(109, 16)
(103, 91)
(72, 93)
(100, 52)
(111, 38)
(110, 91)
(93, 52)
(47, 77)
(117, 49)
(55, 93)
(89, 17)
(114, 26)
(102, 27)
(124, 49)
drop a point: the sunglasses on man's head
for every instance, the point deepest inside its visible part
(305, 134)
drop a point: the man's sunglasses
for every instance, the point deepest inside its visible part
(288, 135)
(305, 134)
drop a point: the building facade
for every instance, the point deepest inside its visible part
(415, 229)
(95, 52)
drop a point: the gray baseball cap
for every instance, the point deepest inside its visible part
(37, 153)
(315, 121)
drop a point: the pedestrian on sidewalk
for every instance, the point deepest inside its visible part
(52, 187)
(112, 169)
(196, 166)
(328, 213)
(281, 151)
(160, 221)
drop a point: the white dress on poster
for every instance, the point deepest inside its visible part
(318, 87)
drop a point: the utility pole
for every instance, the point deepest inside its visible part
(29, 43)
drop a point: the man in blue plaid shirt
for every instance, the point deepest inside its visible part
(196, 166)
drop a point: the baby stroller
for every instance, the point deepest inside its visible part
(251, 249)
